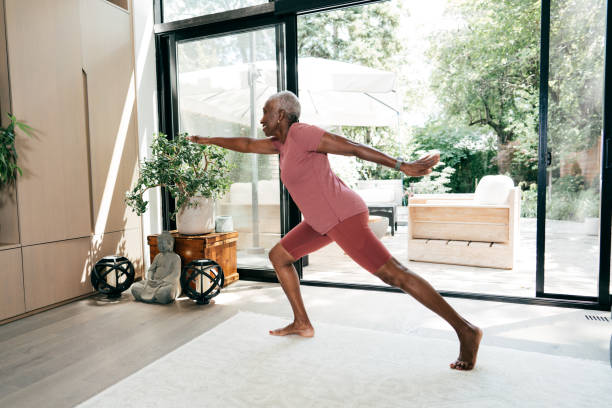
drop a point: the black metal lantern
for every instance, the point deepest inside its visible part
(202, 280)
(112, 275)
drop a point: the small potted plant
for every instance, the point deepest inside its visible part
(194, 175)
(8, 153)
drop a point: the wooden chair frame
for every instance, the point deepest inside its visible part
(454, 229)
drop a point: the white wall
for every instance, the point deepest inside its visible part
(146, 101)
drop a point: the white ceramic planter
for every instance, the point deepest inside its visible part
(197, 220)
(224, 223)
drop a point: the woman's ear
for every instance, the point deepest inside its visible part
(281, 114)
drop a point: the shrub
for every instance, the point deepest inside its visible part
(589, 203)
(434, 183)
(569, 184)
(529, 200)
(468, 150)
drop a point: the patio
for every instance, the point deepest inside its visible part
(571, 264)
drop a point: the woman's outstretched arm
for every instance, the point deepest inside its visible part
(335, 144)
(239, 144)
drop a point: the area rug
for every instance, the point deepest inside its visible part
(238, 364)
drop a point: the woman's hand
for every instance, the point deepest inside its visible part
(422, 166)
(195, 139)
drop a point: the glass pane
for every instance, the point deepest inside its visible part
(574, 142)
(223, 84)
(181, 9)
(416, 76)
(348, 91)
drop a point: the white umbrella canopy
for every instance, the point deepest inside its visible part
(332, 93)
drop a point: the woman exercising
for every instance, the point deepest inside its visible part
(333, 212)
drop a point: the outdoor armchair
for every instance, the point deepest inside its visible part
(479, 229)
(382, 198)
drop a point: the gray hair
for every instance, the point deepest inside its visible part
(290, 103)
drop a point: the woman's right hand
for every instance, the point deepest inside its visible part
(194, 138)
(422, 166)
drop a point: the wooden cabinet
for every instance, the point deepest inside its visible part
(9, 231)
(66, 70)
(108, 69)
(56, 271)
(9, 227)
(11, 283)
(220, 247)
(44, 54)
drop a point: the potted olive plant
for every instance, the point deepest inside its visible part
(8, 153)
(195, 176)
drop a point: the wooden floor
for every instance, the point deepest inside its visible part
(64, 356)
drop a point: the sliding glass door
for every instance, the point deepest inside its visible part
(223, 82)
(500, 89)
(348, 91)
(574, 147)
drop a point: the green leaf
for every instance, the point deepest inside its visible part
(8, 153)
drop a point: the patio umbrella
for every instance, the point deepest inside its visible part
(332, 93)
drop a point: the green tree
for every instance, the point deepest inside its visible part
(366, 35)
(470, 151)
(576, 76)
(383, 138)
(487, 74)
(486, 69)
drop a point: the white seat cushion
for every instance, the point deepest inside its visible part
(377, 195)
(493, 190)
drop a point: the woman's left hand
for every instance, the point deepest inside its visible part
(422, 166)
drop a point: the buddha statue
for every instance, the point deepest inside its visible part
(162, 284)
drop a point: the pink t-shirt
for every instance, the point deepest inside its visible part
(321, 196)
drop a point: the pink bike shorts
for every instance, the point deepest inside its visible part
(353, 235)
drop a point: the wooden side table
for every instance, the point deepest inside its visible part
(218, 246)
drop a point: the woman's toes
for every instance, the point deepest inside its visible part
(459, 365)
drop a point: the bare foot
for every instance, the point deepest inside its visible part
(470, 340)
(303, 329)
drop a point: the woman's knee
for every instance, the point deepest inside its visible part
(279, 256)
(392, 278)
(393, 273)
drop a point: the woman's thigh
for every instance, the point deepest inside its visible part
(356, 238)
(303, 240)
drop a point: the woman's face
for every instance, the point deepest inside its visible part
(270, 118)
